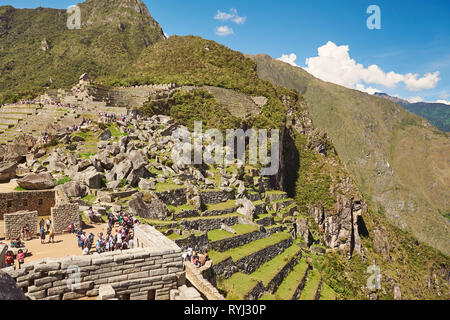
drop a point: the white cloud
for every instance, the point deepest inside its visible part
(334, 64)
(415, 99)
(289, 58)
(224, 31)
(368, 90)
(233, 16)
(443, 101)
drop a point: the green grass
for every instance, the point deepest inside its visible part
(19, 188)
(268, 270)
(63, 180)
(311, 286)
(219, 234)
(162, 187)
(89, 198)
(181, 208)
(287, 288)
(241, 252)
(237, 286)
(222, 206)
(326, 293)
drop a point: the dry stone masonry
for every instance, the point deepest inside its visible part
(64, 215)
(15, 221)
(40, 201)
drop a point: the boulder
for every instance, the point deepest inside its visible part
(148, 205)
(94, 180)
(8, 288)
(105, 135)
(7, 171)
(37, 181)
(247, 208)
(146, 184)
(113, 149)
(73, 189)
(122, 169)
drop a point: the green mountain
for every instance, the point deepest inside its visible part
(399, 161)
(38, 50)
(437, 113)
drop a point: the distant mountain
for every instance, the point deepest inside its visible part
(437, 113)
(38, 50)
(399, 161)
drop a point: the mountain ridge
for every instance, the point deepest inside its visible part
(380, 143)
(437, 113)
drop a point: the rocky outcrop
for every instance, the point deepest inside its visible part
(7, 171)
(8, 288)
(303, 231)
(37, 181)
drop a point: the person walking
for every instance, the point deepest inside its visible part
(20, 257)
(48, 223)
(42, 231)
(51, 236)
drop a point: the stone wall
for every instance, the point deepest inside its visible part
(139, 274)
(63, 215)
(194, 276)
(15, 221)
(208, 224)
(40, 201)
(216, 196)
(176, 197)
(198, 243)
(243, 239)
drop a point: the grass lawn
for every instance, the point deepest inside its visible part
(326, 293)
(180, 208)
(287, 288)
(222, 206)
(162, 187)
(268, 270)
(310, 289)
(219, 234)
(237, 286)
(241, 252)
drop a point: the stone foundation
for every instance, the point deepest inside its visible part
(15, 221)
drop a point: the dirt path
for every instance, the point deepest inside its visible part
(65, 245)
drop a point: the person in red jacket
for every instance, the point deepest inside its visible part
(9, 259)
(20, 257)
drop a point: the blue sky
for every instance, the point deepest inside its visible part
(410, 55)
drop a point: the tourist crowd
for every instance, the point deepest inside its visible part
(121, 238)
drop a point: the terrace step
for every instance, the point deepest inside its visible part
(292, 285)
(265, 278)
(311, 290)
(326, 293)
(221, 240)
(251, 256)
